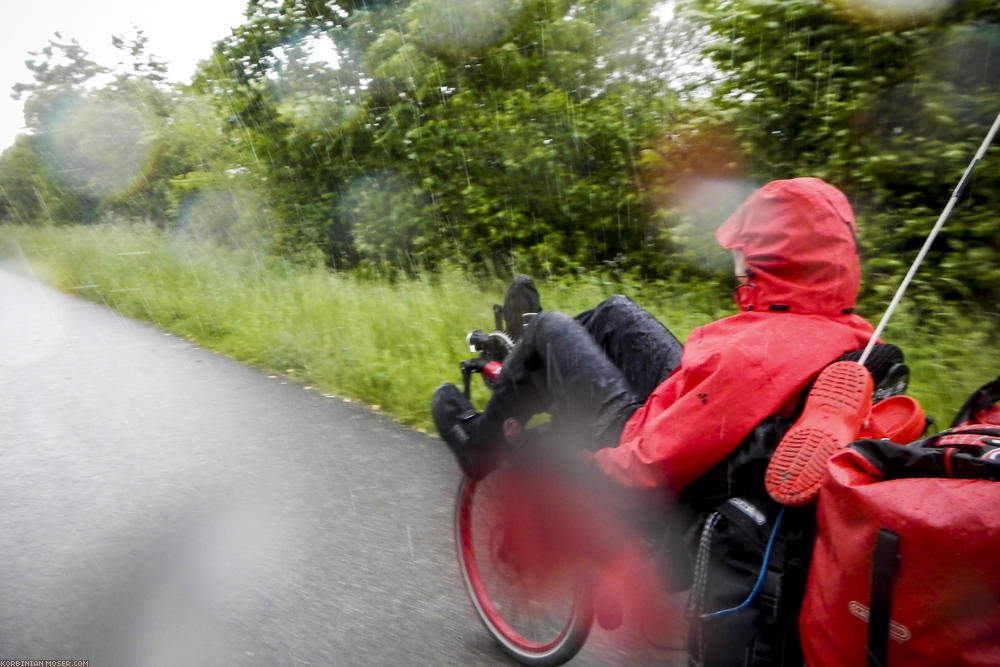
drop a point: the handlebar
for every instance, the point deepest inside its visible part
(493, 348)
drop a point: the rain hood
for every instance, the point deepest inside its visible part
(800, 242)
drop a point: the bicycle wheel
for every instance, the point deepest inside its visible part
(536, 624)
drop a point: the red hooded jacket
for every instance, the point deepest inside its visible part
(799, 240)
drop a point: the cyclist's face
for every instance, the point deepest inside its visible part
(740, 266)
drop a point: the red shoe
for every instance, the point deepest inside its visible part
(833, 415)
(899, 419)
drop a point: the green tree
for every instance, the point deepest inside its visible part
(23, 188)
(95, 147)
(136, 63)
(290, 117)
(60, 72)
(499, 132)
(212, 194)
(133, 116)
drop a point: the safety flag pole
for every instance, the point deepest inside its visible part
(930, 239)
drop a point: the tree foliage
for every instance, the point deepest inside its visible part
(488, 131)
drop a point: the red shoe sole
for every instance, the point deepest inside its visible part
(833, 415)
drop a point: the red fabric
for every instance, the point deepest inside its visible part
(990, 416)
(946, 593)
(798, 237)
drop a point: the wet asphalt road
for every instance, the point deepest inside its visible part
(163, 505)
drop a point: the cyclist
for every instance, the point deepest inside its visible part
(656, 415)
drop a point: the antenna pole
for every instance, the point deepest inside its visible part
(930, 239)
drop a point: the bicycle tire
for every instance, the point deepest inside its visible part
(478, 552)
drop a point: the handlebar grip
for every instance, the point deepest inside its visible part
(477, 340)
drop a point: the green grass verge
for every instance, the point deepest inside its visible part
(389, 344)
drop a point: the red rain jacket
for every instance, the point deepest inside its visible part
(799, 239)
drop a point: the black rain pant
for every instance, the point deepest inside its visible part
(590, 373)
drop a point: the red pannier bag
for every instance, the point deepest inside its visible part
(906, 565)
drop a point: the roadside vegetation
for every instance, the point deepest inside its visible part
(388, 343)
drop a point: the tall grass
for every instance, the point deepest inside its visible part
(388, 344)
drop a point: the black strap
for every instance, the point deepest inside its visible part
(885, 562)
(986, 431)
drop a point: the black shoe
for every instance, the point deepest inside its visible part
(455, 419)
(521, 299)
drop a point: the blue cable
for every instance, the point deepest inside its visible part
(760, 577)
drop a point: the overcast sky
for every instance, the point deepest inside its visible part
(180, 32)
